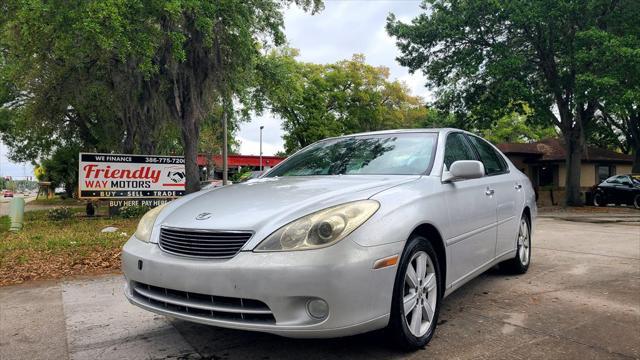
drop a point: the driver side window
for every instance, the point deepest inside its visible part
(456, 148)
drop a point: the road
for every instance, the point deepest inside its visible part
(579, 300)
(4, 203)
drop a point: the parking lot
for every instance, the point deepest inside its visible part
(579, 300)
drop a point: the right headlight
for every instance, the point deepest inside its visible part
(320, 229)
(143, 231)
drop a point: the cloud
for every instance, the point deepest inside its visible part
(342, 29)
(249, 135)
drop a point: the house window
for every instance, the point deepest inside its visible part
(604, 172)
(545, 175)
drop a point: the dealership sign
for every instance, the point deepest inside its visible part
(109, 176)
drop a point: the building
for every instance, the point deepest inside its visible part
(544, 163)
(235, 162)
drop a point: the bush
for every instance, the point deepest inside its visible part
(61, 213)
(133, 211)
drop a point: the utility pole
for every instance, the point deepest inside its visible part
(225, 165)
(261, 127)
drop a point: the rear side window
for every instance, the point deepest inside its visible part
(456, 148)
(614, 180)
(624, 180)
(492, 161)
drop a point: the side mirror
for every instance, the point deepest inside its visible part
(462, 170)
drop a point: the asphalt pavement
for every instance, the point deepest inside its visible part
(4, 202)
(579, 300)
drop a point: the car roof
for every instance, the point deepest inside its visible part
(400, 131)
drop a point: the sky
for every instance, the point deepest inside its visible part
(343, 28)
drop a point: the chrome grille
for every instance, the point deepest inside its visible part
(204, 306)
(203, 243)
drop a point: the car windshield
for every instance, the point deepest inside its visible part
(388, 154)
(635, 179)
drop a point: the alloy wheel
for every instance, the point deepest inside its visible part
(420, 294)
(597, 201)
(524, 242)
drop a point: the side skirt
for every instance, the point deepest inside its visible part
(465, 279)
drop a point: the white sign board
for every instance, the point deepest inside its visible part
(109, 176)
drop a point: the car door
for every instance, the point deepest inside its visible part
(507, 192)
(625, 190)
(471, 207)
(607, 189)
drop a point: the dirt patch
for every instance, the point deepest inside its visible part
(28, 265)
(48, 249)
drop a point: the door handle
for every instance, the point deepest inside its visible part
(518, 186)
(489, 192)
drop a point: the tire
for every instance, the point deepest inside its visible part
(599, 200)
(636, 201)
(427, 296)
(520, 263)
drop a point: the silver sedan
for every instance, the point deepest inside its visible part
(348, 235)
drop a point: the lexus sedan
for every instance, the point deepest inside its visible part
(619, 189)
(349, 235)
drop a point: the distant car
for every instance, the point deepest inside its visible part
(7, 193)
(619, 189)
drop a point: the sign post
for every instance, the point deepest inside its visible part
(127, 180)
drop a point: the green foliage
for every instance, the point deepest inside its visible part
(242, 175)
(60, 213)
(62, 169)
(102, 75)
(514, 128)
(320, 101)
(612, 60)
(133, 211)
(486, 58)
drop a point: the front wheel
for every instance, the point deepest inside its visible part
(520, 263)
(417, 295)
(599, 200)
(636, 201)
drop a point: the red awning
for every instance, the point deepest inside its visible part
(242, 160)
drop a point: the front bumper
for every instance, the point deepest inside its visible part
(359, 297)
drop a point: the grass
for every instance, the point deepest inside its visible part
(51, 249)
(5, 223)
(57, 200)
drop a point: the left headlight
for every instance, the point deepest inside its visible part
(320, 229)
(143, 232)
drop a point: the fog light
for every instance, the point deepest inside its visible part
(318, 308)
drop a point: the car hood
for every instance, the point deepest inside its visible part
(264, 205)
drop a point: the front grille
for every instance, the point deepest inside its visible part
(203, 243)
(204, 306)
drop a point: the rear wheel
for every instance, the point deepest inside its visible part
(417, 295)
(520, 263)
(599, 200)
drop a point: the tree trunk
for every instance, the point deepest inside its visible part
(574, 145)
(635, 168)
(633, 138)
(190, 136)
